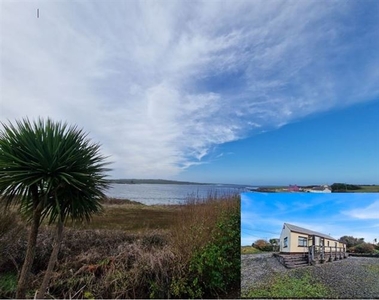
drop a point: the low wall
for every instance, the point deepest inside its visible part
(364, 254)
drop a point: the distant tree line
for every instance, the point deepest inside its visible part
(358, 245)
(343, 187)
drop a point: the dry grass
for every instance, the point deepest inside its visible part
(107, 263)
(131, 216)
(195, 221)
(12, 231)
(128, 251)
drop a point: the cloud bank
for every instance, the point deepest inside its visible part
(161, 84)
(369, 212)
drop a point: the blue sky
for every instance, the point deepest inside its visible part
(250, 92)
(336, 214)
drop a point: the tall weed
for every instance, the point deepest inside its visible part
(11, 234)
(209, 246)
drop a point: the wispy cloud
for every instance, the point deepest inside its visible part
(160, 84)
(369, 212)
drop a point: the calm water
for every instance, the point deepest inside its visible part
(151, 194)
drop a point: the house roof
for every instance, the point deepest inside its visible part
(307, 231)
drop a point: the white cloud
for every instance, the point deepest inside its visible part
(369, 212)
(160, 84)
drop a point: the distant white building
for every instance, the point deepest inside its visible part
(319, 189)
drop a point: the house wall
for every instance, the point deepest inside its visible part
(320, 191)
(295, 242)
(285, 233)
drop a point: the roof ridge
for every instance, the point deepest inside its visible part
(308, 231)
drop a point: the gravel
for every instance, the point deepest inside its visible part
(354, 277)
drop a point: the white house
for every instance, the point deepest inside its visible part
(319, 189)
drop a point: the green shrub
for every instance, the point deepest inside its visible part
(263, 245)
(215, 268)
(364, 248)
(8, 284)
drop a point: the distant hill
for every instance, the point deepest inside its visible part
(152, 181)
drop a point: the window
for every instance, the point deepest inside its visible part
(328, 243)
(302, 241)
(285, 242)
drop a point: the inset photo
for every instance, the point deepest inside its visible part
(309, 245)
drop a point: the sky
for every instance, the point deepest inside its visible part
(250, 92)
(335, 214)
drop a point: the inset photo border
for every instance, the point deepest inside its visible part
(309, 245)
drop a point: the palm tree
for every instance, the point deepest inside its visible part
(51, 171)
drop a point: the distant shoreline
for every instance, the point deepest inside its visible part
(164, 181)
(361, 188)
(153, 181)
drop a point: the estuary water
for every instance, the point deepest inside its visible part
(152, 194)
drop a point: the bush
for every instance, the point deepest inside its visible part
(364, 248)
(213, 267)
(351, 241)
(263, 245)
(8, 283)
(217, 265)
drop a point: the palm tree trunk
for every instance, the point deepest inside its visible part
(52, 261)
(22, 284)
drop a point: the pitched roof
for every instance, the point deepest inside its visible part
(307, 231)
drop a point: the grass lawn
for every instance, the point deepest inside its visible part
(283, 286)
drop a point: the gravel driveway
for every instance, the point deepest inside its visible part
(354, 277)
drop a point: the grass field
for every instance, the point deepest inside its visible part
(249, 250)
(367, 189)
(132, 216)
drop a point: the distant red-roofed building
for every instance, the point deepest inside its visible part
(293, 188)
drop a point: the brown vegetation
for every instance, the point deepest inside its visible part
(141, 252)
